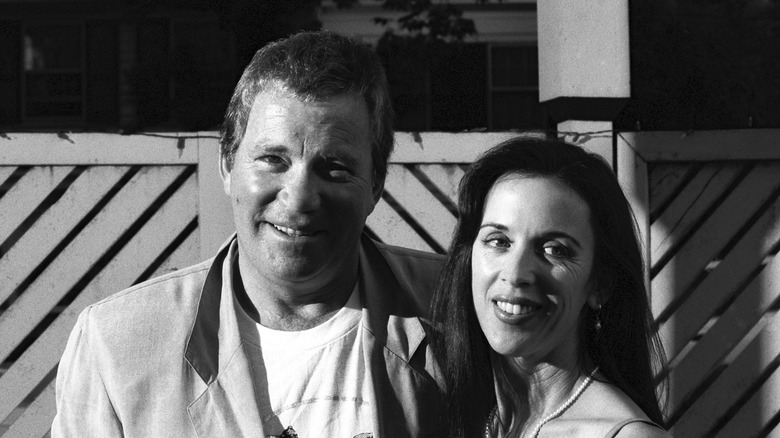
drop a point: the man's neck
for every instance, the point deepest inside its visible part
(291, 307)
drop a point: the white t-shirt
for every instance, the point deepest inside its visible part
(315, 379)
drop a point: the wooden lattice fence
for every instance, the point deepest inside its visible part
(83, 216)
(713, 234)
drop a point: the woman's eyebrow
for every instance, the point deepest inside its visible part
(561, 234)
(500, 227)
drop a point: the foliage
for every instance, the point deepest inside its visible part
(424, 35)
(199, 100)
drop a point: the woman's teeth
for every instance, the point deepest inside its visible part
(515, 309)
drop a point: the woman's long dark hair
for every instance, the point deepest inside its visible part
(627, 349)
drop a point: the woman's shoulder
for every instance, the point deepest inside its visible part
(606, 411)
(637, 428)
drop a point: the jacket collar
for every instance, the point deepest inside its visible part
(387, 312)
(229, 404)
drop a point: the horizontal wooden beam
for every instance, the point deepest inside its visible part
(736, 144)
(102, 149)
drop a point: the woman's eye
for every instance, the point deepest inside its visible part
(496, 242)
(556, 250)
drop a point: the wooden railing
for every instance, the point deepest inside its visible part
(85, 215)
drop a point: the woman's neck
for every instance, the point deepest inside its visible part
(527, 393)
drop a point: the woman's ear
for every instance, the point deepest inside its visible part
(594, 300)
(602, 290)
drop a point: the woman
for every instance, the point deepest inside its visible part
(546, 329)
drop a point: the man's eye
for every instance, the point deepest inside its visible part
(556, 250)
(337, 172)
(271, 159)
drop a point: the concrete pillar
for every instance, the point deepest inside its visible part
(584, 65)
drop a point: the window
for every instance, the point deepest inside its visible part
(203, 77)
(514, 88)
(466, 87)
(53, 64)
(186, 73)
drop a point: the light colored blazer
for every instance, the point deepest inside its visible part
(165, 358)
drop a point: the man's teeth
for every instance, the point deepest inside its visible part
(291, 232)
(515, 309)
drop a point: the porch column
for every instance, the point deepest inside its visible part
(584, 68)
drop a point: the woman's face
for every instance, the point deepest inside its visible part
(531, 268)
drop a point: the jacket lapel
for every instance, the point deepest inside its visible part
(392, 336)
(228, 406)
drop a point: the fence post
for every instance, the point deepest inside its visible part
(215, 218)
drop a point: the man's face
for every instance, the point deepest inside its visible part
(301, 189)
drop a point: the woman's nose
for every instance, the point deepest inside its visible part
(519, 266)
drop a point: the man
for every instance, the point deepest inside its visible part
(300, 324)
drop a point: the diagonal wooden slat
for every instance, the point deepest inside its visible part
(186, 254)
(688, 208)
(664, 181)
(392, 229)
(27, 194)
(35, 421)
(757, 412)
(54, 225)
(445, 177)
(120, 273)
(5, 173)
(437, 221)
(731, 385)
(18, 320)
(727, 332)
(775, 432)
(723, 281)
(712, 236)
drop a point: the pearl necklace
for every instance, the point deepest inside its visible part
(566, 405)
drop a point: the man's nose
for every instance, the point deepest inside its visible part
(300, 191)
(519, 267)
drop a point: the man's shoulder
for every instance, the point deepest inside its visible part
(160, 300)
(179, 281)
(412, 259)
(417, 272)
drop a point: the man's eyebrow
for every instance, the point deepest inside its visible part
(262, 146)
(348, 159)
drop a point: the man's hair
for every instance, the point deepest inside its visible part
(313, 66)
(627, 347)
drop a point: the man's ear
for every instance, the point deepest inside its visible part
(378, 187)
(224, 173)
(378, 190)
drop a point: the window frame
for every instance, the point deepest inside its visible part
(491, 88)
(25, 100)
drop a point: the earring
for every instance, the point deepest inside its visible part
(597, 325)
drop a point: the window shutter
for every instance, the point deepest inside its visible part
(10, 72)
(102, 47)
(153, 80)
